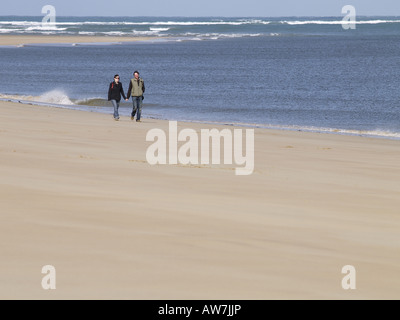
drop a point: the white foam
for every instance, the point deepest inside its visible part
(337, 22)
(21, 23)
(144, 33)
(115, 33)
(365, 133)
(45, 27)
(254, 21)
(215, 36)
(187, 23)
(86, 33)
(159, 29)
(2, 30)
(170, 22)
(54, 96)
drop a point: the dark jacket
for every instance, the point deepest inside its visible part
(136, 88)
(115, 91)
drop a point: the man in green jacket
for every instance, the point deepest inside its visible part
(136, 90)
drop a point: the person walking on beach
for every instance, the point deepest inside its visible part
(114, 95)
(136, 89)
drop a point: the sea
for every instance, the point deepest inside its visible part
(319, 74)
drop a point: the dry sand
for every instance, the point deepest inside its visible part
(77, 193)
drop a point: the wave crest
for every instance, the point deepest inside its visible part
(52, 97)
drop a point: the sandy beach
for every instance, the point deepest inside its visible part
(77, 193)
(19, 40)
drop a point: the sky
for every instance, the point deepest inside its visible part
(192, 8)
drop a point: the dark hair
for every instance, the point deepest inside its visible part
(136, 72)
(117, 75)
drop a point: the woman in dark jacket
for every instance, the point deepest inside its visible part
(114, 95)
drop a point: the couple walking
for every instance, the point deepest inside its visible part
(136, 90)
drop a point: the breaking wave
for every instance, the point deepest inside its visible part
(180, 27)
(50, 97)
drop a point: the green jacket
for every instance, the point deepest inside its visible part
(136, 88)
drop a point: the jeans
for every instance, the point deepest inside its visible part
(137, 107)
(116, 106)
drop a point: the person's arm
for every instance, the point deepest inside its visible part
(129, 90)
(109, 92)
(122, 92)
(144, 89)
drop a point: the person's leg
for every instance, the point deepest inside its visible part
(139, 110)
(134, 101)
(116, 106)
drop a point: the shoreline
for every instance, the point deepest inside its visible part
(378, 134)
(77, 193)
(20, 40)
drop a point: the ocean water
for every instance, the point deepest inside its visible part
(291, 73)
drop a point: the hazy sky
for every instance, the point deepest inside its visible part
(238, 8)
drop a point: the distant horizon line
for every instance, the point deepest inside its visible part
(180, 16)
